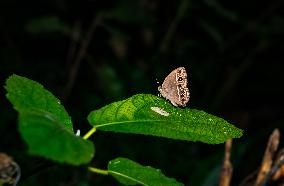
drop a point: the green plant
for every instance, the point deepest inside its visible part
(47, 128)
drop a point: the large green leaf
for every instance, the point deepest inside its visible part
(129, 172)
(49, 138)
(25, 94)
(140, 114)
(44, 123)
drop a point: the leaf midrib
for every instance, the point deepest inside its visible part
(122, 122)
(49, 116)
(128, 177)
(142, 121)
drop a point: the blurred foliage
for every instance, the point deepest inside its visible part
(46, 24)
(232, 51)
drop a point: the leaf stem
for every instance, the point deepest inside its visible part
(89, 133)
(99, 171)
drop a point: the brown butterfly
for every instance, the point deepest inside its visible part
(174, 87)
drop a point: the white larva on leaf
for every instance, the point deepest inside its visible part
(160, 111)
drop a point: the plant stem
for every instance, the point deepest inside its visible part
(73, 72)
(89, 133)
(99, 171)
(183, 7)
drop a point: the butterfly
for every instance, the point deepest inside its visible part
(174, 87)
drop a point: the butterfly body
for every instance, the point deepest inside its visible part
(174, 87)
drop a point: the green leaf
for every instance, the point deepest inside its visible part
(26, 94)
(129, 172)
(49, 138)
(140, 114)
(44, 123)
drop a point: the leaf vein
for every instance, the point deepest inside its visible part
(128, 177)
(103, 111)
(118, 107)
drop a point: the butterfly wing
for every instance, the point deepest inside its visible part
(169, 90)
(181, 81)
(174, 87)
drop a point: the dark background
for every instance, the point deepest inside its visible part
(233, 52)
